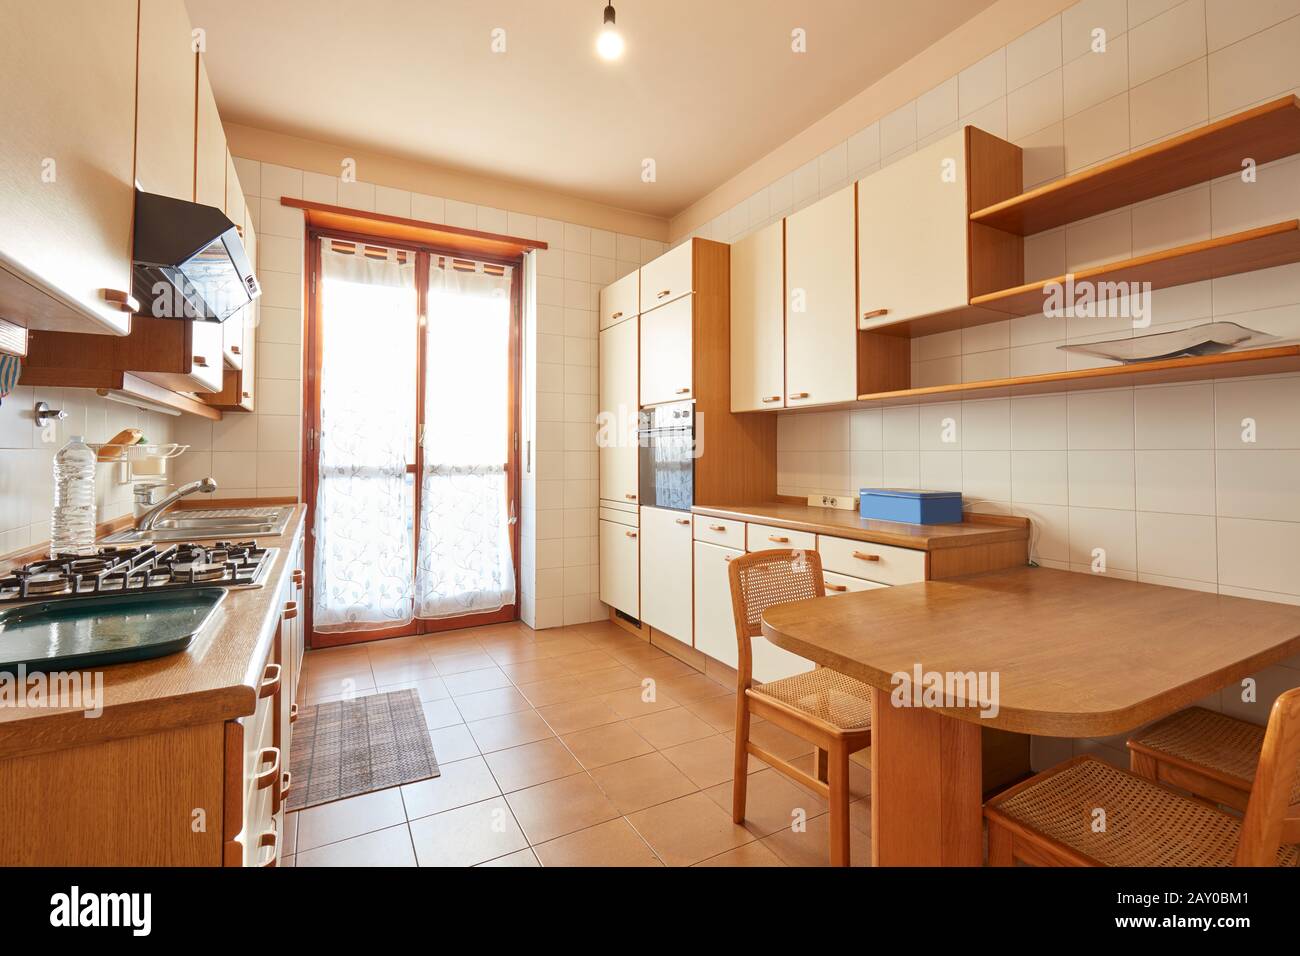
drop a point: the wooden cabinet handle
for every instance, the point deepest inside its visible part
(630, 497)
(298, 576)
(863, 556)
(617, 315)
(270, 681)
(683, 391)
(772, 398)
(290, 610)
(271, 773)
(293, 713)
(875, 313)
(727, 558)
(234, 350)
(836, 587)
(246, 394)
(630, 534)
(798, 394)
(683, 520)
(122, 301)
(663, 292)
(717, 527)
(269, 838)
(778, 539)
(200, 361)
(286, 782)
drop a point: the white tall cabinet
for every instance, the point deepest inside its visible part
(616, 428)
(821, 303)
(666, 572)
(758, 320)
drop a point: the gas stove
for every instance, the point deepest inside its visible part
(230, 564)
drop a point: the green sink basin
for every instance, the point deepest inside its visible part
(104, 629)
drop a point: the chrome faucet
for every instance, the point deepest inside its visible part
(150, 518)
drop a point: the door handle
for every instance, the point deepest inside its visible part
(798, 394)
(630, 534)
(875, 313)
(862, 556)
(836, 587)
(773, 398)
(663, 293)
(683, 520)
(683, 391)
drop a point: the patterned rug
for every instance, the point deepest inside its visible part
(347, 747)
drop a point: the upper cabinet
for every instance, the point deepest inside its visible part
(758, 320)
(232, 329)
(669, 277)
(820, 288)
(666, 372)
(164, 162)
(209, 148)
(66, 158)
(619, 300)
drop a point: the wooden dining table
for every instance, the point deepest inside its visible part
(1068, 655)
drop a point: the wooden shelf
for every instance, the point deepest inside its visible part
(1263, 361)
(1264, 133)
(129, 384)
(1274, 245)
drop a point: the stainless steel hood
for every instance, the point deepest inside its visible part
(189, 261)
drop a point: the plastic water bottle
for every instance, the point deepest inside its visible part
(72, 523)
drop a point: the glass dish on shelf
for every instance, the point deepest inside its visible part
(1209, 338)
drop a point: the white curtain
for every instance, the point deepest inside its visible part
(465, 563)
(364, 503)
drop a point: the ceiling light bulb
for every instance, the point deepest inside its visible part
(610, 42)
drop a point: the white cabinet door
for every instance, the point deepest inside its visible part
(773, 663)
(209, 147)
(669, 277)
(666, 352)
(912, 235)
(616, 432)
(758, 320)
(821, 363)
(715, 624)
(164, 131)
(67, 146)
(666, 572)
(619, 300)
(620, 574)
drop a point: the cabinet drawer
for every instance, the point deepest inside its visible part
(620, 300)
(843, 584)
(668, 277)
(875, 562)
(762, 537)
(619, 515)
(728, 533)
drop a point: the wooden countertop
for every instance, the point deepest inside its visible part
(215, 679)
(1077, 655)
(976, 529)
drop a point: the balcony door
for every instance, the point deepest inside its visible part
(411, 410)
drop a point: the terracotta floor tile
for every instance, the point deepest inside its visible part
(539, 762)
(554, 690)
(529, 672)
(642, 782)
(353, 816)
(778, 741)
(476, 681)
(429, 688)
(518, 858)
(491, 703)
(453, 743)
(574, 715)
(462, 783)
(605, 744)
(751, 854)
(708, 761)
(517, 653)
(561, 646)
(632, 702)
(812, 847)
(334, 686)
(638, 651)
(591, 659)
(444, 645)
(562, 806)
(770, 802)
(693, 686)
(441, 713)
(460, 663)
(688, 830)
(508, 730)
(668, 728)
(389, 847)
(608, 679)
(613, 844)
(467, 835)
(719, 712)
(390, 672)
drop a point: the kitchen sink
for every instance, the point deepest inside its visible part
(209, 523)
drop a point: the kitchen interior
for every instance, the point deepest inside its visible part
(724, 435)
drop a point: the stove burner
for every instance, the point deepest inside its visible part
(47, 582)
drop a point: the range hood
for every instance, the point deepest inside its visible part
(189, 262)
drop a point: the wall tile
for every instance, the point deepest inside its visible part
(1034, 54)
(1166, 42)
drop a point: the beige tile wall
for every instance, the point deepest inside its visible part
(1159, 478)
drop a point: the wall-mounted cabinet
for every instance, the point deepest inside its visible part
(233, 338)
(758, 320)
(666, 372)
(620, 300)
(669, 277)
(617, 374)
(164, 142)
(209, 147)
(66, 158)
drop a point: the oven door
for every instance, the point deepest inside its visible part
(666, 467)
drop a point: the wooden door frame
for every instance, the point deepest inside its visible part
(313, 346)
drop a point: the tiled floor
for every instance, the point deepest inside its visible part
(553, 754)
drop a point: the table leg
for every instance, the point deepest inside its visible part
(925, 787)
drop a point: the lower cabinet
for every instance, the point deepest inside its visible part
(620, 565)
(666, 572)
(715, 624)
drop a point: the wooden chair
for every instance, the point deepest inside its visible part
(1049, 819)
(823, 706)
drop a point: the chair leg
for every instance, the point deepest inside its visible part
(741, 779)
(838, 781)
(820, 767)
(1001, 846)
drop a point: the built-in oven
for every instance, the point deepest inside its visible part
(666, 456)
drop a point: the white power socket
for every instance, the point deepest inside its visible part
(842, 502)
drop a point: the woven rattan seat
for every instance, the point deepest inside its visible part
(827, 695)
(1146, 824)
(1202, 738)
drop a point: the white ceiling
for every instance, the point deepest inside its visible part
(705, 88)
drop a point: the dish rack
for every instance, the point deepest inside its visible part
(141, 463)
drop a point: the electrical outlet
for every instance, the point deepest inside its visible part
(842, 502)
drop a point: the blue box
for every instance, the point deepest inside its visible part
(911, 505)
